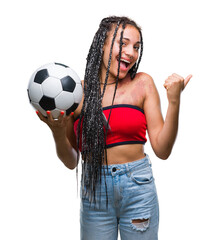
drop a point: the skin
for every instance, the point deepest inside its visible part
(141, 92)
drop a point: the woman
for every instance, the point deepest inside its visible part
(109, 128)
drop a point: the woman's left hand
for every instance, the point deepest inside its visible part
(174, 85)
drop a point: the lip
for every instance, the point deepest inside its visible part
(124, 63)
(126, 60)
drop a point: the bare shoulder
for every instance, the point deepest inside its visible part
(145, 82)
(144, 78)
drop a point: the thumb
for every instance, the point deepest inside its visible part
(187, 79)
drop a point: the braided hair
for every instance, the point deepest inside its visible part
(93, 134)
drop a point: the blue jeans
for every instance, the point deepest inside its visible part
(131, 196)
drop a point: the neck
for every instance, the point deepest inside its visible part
(110, 83)
(111, 79)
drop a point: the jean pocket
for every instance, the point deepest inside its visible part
(142, 176)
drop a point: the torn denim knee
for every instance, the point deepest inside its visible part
(140, 226)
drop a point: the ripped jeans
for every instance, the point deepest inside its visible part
(132, 197)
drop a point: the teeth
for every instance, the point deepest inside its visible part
(123, 60)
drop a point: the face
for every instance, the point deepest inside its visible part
(129, 55)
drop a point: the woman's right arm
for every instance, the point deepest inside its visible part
(65, 140)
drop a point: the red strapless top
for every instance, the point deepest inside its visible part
(127, 125)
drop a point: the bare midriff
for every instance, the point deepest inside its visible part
(125, 153)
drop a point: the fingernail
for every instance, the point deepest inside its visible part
(72, 113)
(48, 112)
(62, 112)
(37, 112)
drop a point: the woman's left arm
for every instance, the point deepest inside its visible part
(162, 133)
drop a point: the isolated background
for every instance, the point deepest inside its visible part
(38, 194)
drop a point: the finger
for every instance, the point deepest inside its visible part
(61, 115)
(187, 79)
(167, 85)
(69, 116)
(42, 117)
(171, 79)
(49, 116)
(167, 81)
(177, 76)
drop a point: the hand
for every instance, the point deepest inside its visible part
(174, 85)
(57, 126)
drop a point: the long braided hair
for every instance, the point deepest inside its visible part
(92, 132)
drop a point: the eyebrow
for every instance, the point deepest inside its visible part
(129, 40)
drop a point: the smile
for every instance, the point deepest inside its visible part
(124, 64)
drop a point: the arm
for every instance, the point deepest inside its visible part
(65, 140)
(162, 133)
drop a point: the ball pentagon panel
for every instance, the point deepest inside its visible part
(47, 103)
(41, 76)
(73, 75)
(68, 84)
(61, 64)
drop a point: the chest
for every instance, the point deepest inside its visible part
(125, 94)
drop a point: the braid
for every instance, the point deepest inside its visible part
(110, 56)
(91, 113)
(134, 69)
(93, 140)
(117, 77)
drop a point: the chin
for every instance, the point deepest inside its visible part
(123, 75)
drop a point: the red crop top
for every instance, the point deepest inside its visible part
(127, 125)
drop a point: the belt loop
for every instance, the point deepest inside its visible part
(148, 158)
(127, 166)
(127, 169)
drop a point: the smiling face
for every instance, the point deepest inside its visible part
(129, 55)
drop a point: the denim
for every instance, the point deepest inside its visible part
(131, 195)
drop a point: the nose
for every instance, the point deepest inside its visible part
(129, 51)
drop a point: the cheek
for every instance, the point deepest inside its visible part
(105, 58)
(135, 60)
(136, 56)
(106, 54)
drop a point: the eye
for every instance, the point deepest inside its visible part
(136, 48)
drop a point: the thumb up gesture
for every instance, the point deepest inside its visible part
(174, 85)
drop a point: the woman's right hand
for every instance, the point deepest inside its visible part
(57, 126)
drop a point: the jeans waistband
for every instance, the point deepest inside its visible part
(116, 169)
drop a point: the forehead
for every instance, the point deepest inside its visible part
(130, 32)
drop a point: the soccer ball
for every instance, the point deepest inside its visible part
(55, 87)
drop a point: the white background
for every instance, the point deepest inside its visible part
(38, 194)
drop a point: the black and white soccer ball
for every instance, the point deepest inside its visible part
(55, 87)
